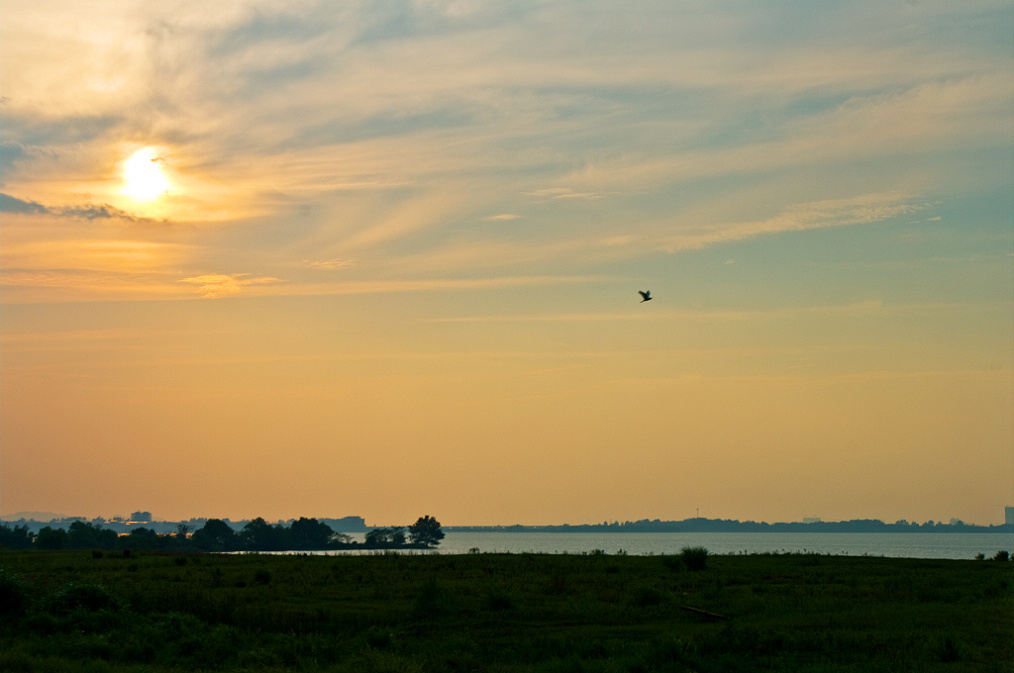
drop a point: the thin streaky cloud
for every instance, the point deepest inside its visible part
(858, 310)
(213, 285)
(329, 264)
(426, 285)
(865, 209)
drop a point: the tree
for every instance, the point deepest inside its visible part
(17, 537)
(182, 531)
(83, 535)
(143, 538)
(51, 538)
(259, 535)
(426, 531)
(307, 534)
(215, 535)
(386, 537)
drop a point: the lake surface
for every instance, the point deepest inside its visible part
(904, 545)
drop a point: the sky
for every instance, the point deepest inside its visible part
(383, 259)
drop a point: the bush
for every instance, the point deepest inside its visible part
(695, 558)
(672, 562)
(14, 597)
(90, 597)
(949, 652)
(432, 600)
(1001, 556)
(498, 600)
(647, 596)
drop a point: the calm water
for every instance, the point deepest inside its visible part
(908, 545)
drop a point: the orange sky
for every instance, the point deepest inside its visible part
(357, 260)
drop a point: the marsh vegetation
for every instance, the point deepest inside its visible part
(395, 611)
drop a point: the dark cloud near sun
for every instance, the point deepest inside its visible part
(10, 204)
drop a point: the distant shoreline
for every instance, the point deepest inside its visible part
(694, 525)
(733, 526)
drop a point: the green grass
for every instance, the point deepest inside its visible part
(501, 613)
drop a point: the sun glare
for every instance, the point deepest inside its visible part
(143, 176)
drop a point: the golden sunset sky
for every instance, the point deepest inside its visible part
(383, 259)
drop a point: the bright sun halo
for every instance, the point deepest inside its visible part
(144, 178)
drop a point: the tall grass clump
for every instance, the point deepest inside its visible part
(695, 558)
(14, 597)
(432, 600)
(89, 597)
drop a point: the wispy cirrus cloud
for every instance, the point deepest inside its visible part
(212, 285)
(864, 209)
(328, 264)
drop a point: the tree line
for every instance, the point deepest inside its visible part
(215, 535)
(703, 525)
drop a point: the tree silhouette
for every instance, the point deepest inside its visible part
(386, 537)
(82, 535)
(51, 538)
(426, 531)
(17, 537)
(215, 535)
(309, 534)
(259, 535)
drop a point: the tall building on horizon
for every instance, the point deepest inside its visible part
(1008, 515)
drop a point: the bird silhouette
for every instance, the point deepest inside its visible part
(646, 294)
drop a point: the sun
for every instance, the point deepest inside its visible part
(143, 176)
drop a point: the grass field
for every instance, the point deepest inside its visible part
(84, 611)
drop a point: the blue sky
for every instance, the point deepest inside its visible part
(407, 239)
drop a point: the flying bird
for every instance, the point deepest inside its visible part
(646, 294)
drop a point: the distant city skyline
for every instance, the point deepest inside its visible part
(277, 259)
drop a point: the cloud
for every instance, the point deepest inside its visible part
(212, 285)
(864, 209)
(396, 126)
(561, 193)
(329, 264)
(10, 204)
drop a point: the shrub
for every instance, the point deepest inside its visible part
(695, 558)
(378, 638)
(1001, 556)
(90, 597)
(647, 596)
(949, 652)
(671, 562)
(432, 600)
(498, 600)
(14, 596)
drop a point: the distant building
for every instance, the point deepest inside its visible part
(1008, 515)
(811, 519)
